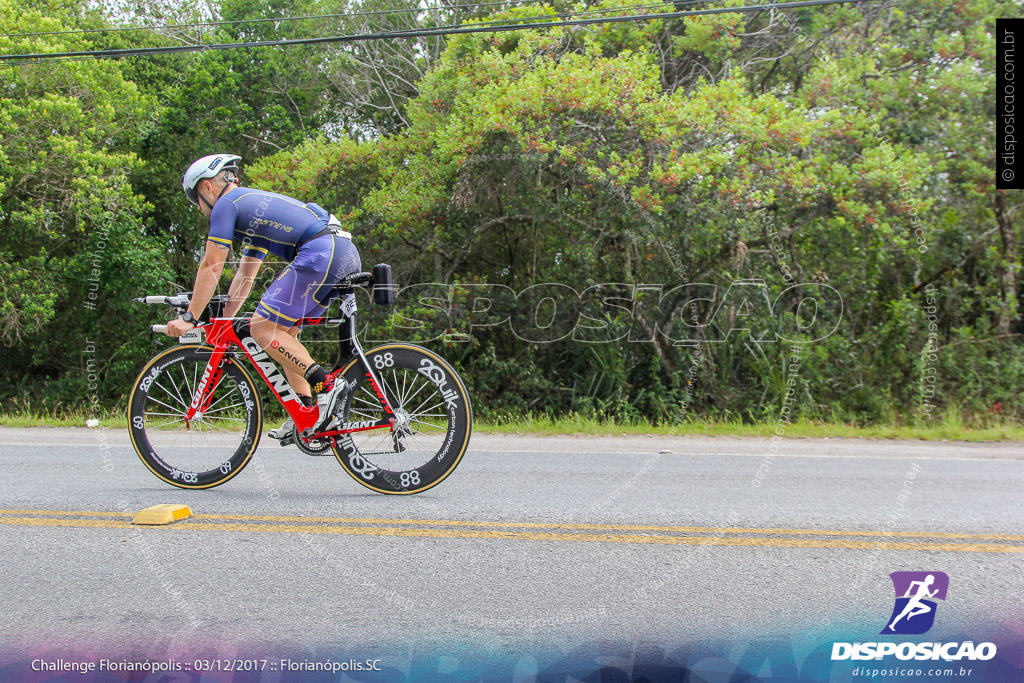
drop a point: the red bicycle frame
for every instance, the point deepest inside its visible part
(223, 334)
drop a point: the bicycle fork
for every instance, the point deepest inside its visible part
(203, 393)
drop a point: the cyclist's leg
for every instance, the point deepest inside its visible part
(298, 383)
(295, 378)
(284, 349)
(329, 388)
(276, 316)
(301, 290)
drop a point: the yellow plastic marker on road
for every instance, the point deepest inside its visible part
(157, 515)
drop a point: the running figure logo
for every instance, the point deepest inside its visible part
(916, 592)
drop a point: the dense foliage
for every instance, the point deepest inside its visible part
(743, 214)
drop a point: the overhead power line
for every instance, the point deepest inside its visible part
(437, 30)
(346, 15)
(264, 20)
(412, 33)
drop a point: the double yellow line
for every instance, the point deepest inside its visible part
(542, 531)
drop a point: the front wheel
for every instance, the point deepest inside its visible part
(433, 421)
(213, 446)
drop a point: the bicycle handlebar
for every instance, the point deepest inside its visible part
(180, 300)
(162, 329)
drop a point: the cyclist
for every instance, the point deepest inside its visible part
(265, 223)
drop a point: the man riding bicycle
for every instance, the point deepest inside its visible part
(318, 252)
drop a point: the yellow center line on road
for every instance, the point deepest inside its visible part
(556, 526)
(49, 521)
(717, 540)
(618, 527)
(83, 513)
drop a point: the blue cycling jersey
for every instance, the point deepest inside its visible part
(264, 222)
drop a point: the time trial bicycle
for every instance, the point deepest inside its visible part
(195, 415)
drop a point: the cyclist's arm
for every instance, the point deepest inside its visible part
(208, 276)
(241, 285)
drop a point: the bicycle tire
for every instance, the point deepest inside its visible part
(427, 457)
(178, 448)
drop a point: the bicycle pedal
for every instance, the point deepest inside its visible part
(287, 441)
(280, 434)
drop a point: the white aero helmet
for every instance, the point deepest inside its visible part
(207, 167)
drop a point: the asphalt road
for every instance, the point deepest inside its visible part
(531, 540)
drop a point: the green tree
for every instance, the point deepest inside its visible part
(72, 247)
(803, 148)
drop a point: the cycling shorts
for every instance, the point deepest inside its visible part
(303, 288)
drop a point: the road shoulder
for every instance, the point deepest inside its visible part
(675, 446)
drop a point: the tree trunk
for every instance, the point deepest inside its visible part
(1007, 268)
